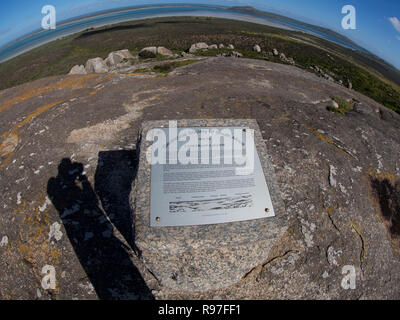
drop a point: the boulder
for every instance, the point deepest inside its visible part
(234, 54)
(257, 48)
(125, 53)
(96, 65)
(230, 46)
(333, 104)
(275, 52)
(328, 77)
(221, 46)
(367, 109)
(164, 51)
(386, 114)
(116, 57)
(148, 52)
(291, 61)
(186, 55)
(282, 56)
(78, 69)
(349, 85)
(198, 46)
(213, 46)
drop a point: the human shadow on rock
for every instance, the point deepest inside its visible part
(113, 179)
(102, 255)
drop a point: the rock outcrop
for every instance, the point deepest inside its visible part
(186, 55)
(122, 59)
(114, 60)
(349, 84)
(96, 65)
(165, 52)
(151, 52)
(234, 54)
(116, 57)
(78, 69)
(198, 46)
(257, 48)
(148, 52)
(333, 104)
(326, 74)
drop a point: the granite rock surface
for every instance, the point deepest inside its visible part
(68, 162)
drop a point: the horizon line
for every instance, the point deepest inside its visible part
(145, 6)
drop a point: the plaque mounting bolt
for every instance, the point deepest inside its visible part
(266, 210)
(158, 219)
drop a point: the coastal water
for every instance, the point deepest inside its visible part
(63, 29)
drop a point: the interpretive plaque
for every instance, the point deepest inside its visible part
(206, 175)
(202, 202)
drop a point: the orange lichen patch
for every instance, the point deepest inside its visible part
(8, 145)
(34, 245)
(100, 80)
(6, 148)
(21, 207)
(358, 230)
(390, 176)
(282, 118)
(94, 91)
(53, 253)
(31, 214)
(108, 76)
(67, 83)
(328, 140)
(9, 139)
(134, 74)
(35, 114)
(355, 226)
(25, 253)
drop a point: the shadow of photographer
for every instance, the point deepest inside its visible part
(102, 255)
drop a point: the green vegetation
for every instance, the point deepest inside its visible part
(368, 75)
(141, 70)
(340, 111)
(212, 52)
(169, 66)
(344, 105)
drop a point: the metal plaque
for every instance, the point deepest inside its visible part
(206, 175)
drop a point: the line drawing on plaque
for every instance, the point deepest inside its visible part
(235, 202)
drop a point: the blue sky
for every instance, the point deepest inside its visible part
(378, 22)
